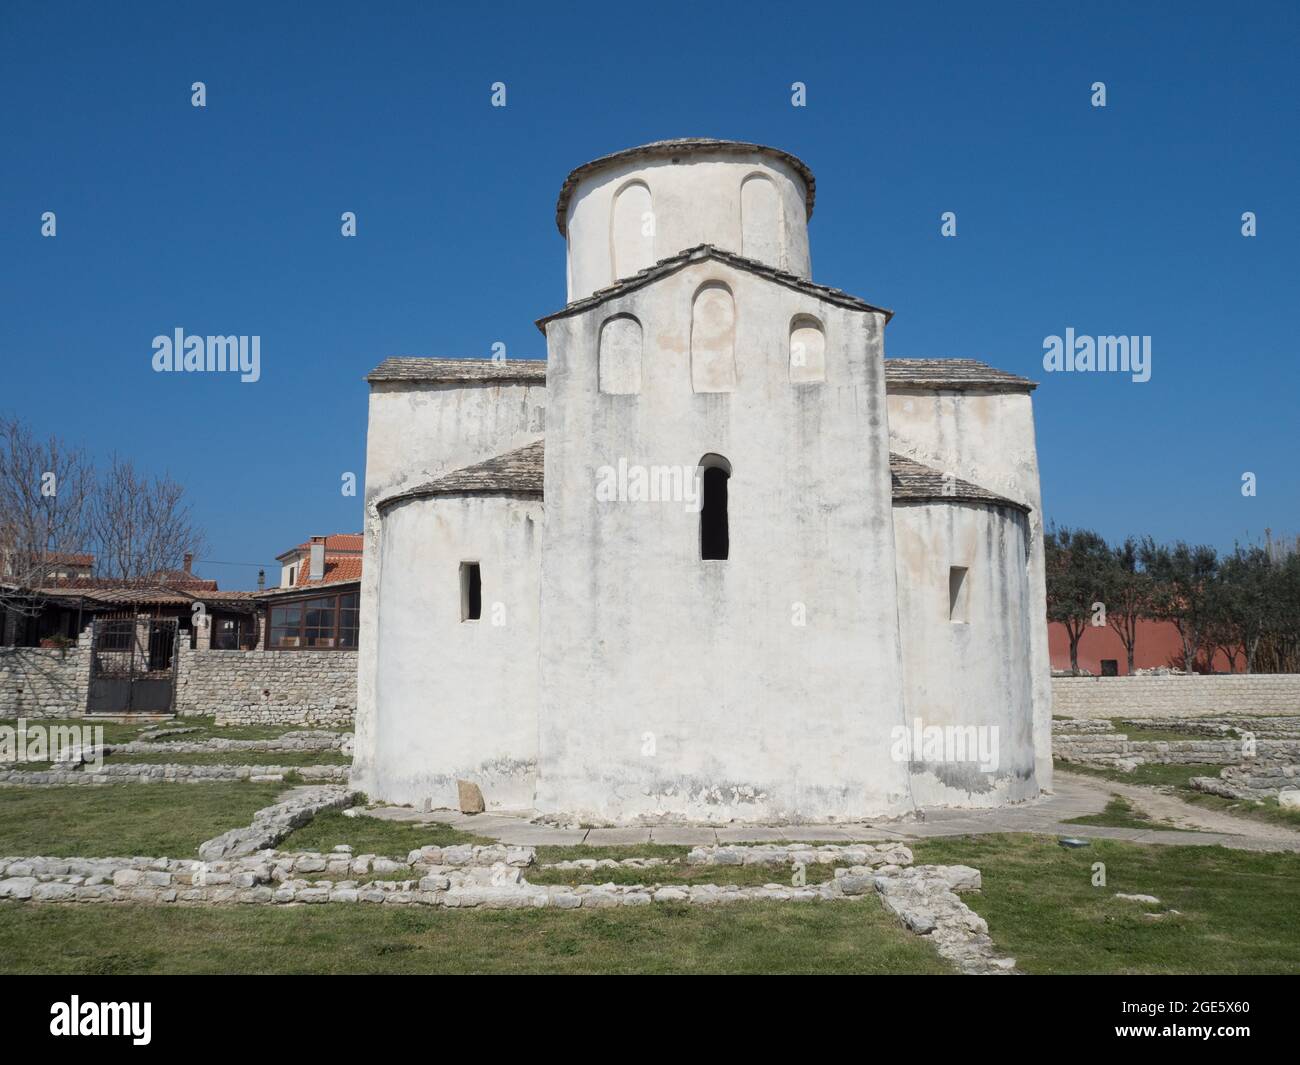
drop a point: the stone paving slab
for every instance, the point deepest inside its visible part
(1073, 796)
(529, 835)
(616, 837)
(683, 836)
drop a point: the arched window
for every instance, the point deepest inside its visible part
(715, 536)
(632, 230)
(807, 350)
(760, 220)
(619, 362)
(713, 339)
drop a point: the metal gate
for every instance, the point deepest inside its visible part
(133, 666)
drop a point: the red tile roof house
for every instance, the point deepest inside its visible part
(317, 606)
(197, 649)
(322, 559)
(70, 598)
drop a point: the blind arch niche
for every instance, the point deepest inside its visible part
(632, 230)
(713, 339)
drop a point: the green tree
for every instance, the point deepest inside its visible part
(1183, 585)
(1245, 600)
(1126, 591)
(1077, 562)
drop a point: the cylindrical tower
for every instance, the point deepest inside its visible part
(627, 211)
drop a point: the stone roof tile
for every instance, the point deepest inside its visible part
(699, 253)
(520, 472)
(913, 481)
(517, 472)
(951, 374)
(946, 374)
(410, 368)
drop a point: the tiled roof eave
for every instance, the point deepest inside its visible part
(899, 385)
(701, 253)
(958, 497)
(681, 145)
(514, 473)
(406, 369)
(385, 505)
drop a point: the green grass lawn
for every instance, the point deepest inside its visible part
(113, 733)
(232, 758)
(122, 820)
(1177, 777)
(207, 726)
(370, 835)
(211, 730)
(760, 937)
(1137, 732)
(738, 875)
(1238, 908)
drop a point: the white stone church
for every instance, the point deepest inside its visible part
(717, 558)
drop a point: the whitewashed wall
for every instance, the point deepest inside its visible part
(675, 687)
(457, 700)
(987, 438)
(972, 673)
(699, 203)
(417, 432)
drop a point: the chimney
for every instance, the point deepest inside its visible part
(189, 562)
(261, 579)
(317, 571)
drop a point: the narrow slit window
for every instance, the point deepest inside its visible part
(471, 592)
(958, 595)
(715, 538)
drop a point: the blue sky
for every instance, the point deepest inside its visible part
(225, 219)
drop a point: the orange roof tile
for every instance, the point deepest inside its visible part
(337, 568)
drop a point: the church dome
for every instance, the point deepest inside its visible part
(628, 210)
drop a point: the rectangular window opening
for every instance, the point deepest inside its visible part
(958, 595)
(471, 592)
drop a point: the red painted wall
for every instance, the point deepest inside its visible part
(1158, 644)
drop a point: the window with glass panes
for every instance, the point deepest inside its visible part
(322, 623)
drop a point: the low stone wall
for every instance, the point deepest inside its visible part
(43, 682)
(307, 714)
(236, 687)
(857, 854)
(1176, 695)
(1250, 781)
(291, 741)
(923, 898)
(272, 823)
(269, 687)
(1117, 749)
(147, 773)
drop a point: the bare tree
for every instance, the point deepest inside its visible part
(45, 492)
(141, 527)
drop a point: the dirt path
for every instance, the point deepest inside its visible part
(1163, 806)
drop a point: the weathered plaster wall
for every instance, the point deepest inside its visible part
(415, 433)
(457, 699)
(41, 682)
(679, 688)
(987, 438)
(1177, 696)
(967, 673)
(699, 203)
